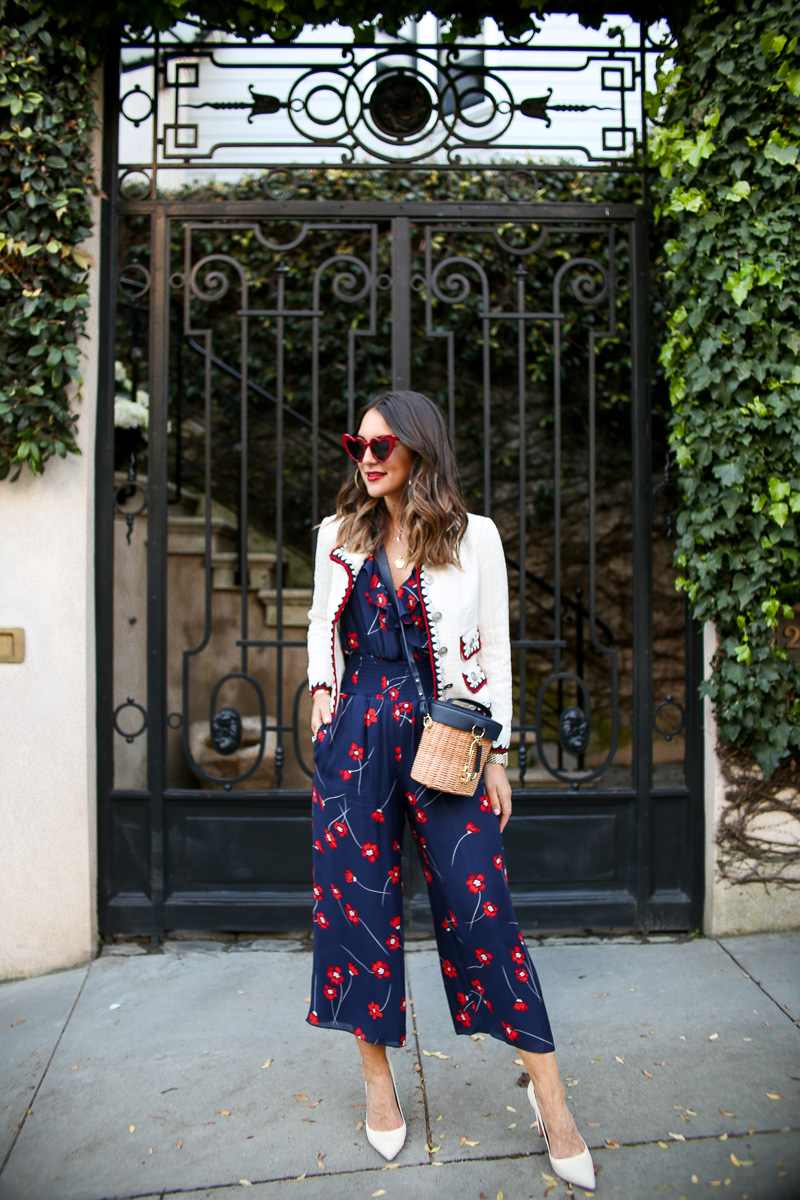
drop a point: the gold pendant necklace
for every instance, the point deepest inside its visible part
(400, 561)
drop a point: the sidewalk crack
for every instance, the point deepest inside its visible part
(428, 1134)
(759, 985)
(32, 1100)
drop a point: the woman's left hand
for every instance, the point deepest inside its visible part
(498, 789)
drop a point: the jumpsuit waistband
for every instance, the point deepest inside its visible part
(364, 674)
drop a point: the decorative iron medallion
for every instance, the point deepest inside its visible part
(400, 105)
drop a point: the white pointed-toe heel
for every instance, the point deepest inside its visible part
(579, 1168)
(388, 1142)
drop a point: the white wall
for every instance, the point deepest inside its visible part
(48, 794)
(736, 908)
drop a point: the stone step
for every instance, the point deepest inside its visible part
(260, 570)
(187, 535)
(296, 603)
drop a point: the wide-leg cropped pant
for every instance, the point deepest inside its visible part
(362, 797)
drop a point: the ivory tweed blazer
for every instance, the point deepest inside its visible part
(465, 610)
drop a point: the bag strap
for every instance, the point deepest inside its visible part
(385, 575)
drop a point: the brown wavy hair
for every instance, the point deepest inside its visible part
(434, 513)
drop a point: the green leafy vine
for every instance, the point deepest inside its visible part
(46, 119)
(727, 148)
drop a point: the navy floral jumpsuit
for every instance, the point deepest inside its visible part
(362, 793)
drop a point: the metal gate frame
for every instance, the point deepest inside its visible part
(643, 905)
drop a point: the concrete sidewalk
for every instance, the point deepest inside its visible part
(192, 1072)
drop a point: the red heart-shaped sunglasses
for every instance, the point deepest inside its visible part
(381, 447)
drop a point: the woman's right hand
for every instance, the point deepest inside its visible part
(320, 710)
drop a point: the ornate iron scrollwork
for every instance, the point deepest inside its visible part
(666, 732)
(400, 105)
(130, 736)
(574, 730)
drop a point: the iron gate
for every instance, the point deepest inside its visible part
(248, 332)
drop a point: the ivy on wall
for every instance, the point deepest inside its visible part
(46, 118)
(728, 151)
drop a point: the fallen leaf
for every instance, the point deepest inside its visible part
(659, 1064)
(774, 1096)
(691, 1112)
(548, 1178)
(224, 1112)
(695, 1179)
(723, 1137)
(131, 1128)
(514, 1126)
(180, 1143)
(245, 1183)
(439, 1117)
(618, 1059)
(316, 1104)
(431, 1148)
(308, 1120)
(268, 1063)
(300, 1096)
(435, 1054)
(725, 1113)
(466, 1143)
(380, 1192)
(593, 1124)
(510, 1108)
(612, 1145)
(677, 1136)
(16, 1023)
(712, 1037)
(359, 1126)
(574, 1083)
(299, 1177)
(518, 1062)
(770, 1024)
(647, 1073)
(735, 1161)
(393, 1166)
(113, 1006)
(149, 1149)
(321, 1161)
(78, 1067)
(664, 1145)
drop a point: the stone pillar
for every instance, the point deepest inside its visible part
(48, 794)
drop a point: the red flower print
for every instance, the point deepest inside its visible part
(340, 828)
(521, 974)
(483, 956)
(398, 754)
(382, 620)
(370, 717)
(317, 892)
(394, 874)
(462, 999)
(393, 694)
(403, 1004)
(484, 805)
(402, 1039)
(319, 845)
(369, 850)
(395, 921)
(488, 1004)
(490, 909)
(520, 1006)
(335, 974)
(378, 815)
(330, 991)
(384, 682)
(375, 582)
(520, 937)
(518, 955)
(476, 883)
(336, 892)
(314, 792)
(353, 970)
(401, 708)
(313, 1018)
(359, 1033)
(421, 816)
(510, 1033)
(356, 752)
(498, 861)
(349, 876)
(411, 799)
(410, 601)
(464, 1018)
(446, 924)
(352, 914)
(354, 677)
(472, 828)
(393, 941)
(330, 839)
(381, 600)
(395, 845)
(374, 1010)
(453, 920)
(448, 969)
(476, 983)
(345, 774)
(381, 969)
(322, 920)
(427, 874)
(352, 641)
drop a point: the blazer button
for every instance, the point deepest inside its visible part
(437, 616)
(443, 649)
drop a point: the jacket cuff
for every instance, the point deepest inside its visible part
(320, 687)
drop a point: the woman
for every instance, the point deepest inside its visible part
(449, 576)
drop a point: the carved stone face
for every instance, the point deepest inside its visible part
(226, 731)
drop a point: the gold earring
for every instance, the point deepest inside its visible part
(356, 478)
